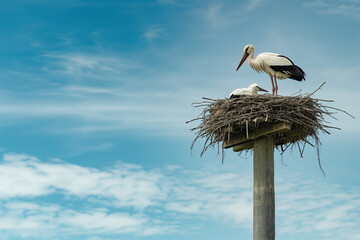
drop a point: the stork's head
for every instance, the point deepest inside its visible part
(254, 88)
(247, 50)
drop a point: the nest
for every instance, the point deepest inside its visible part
(223, 119)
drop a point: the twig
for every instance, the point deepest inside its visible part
(309, 95)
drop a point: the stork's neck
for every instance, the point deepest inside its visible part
(251, 57)
(254, 62)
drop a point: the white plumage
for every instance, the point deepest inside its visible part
(275, 65)
(251, 90)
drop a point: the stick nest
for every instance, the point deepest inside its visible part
(222, 118)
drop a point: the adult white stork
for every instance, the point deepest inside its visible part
(275, 65)
(251, 90)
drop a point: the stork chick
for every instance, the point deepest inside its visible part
(251, 90)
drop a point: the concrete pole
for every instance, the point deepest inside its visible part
(264, 190)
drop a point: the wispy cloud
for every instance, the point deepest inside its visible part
(225, 13)
(347, 8)
(43, 221)
(166, 1)
(331, 211)
(106, 109)
(253, 4)
(126, 199)
(82, 66)
(224, 196)
(218, 14)
(153, 32)
(103, 92)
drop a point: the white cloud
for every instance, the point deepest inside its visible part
(25, 176)
(222, 196)
(49, 220)
(101, 221)
(127, 199)
(331, 211)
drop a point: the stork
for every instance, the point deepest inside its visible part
(275, 65)
(251, 90)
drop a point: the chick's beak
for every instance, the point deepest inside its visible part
(261, 89)
(242, 60)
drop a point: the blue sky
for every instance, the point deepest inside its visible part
(94, 96)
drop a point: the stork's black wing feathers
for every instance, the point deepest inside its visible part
(287, 58)
(294, 71)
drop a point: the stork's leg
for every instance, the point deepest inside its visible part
(273, 87)
(276, 86)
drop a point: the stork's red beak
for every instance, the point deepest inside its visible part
(242, 60)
